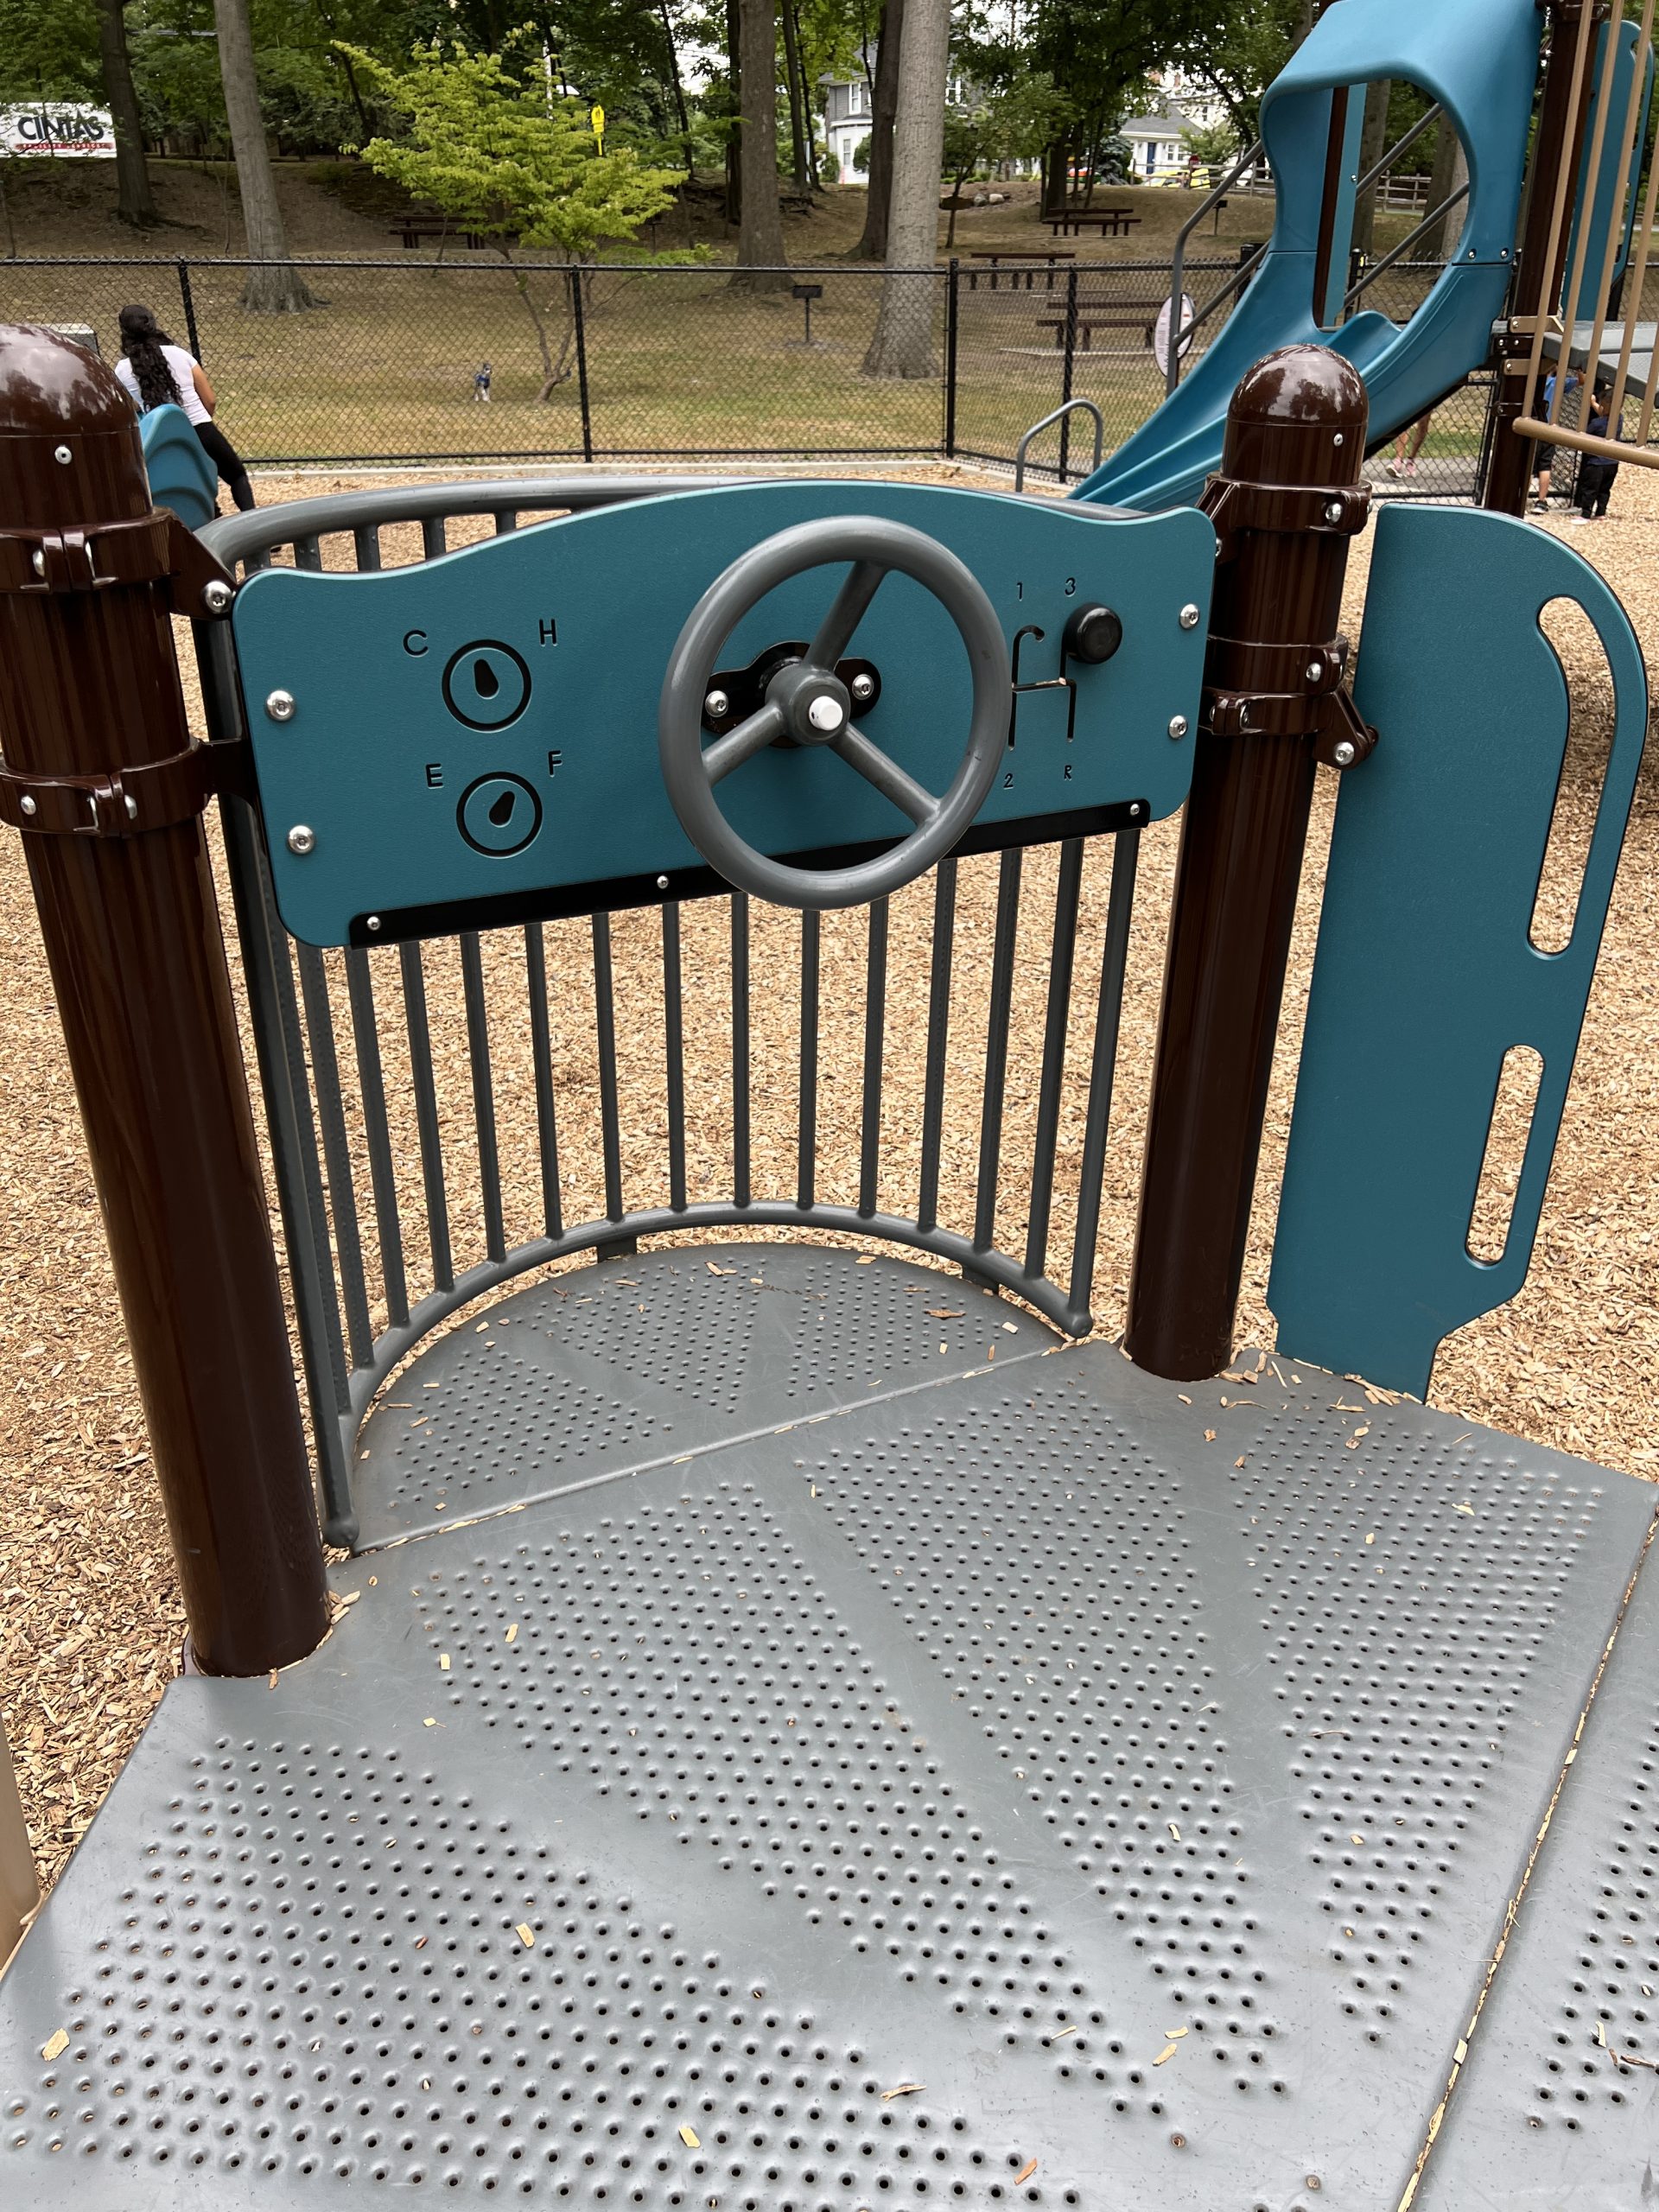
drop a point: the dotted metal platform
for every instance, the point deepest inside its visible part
(1045, 1786)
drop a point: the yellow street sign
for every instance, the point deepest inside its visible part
(597, 118)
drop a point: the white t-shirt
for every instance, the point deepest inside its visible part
(180, 363)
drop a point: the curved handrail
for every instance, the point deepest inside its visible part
(1178, 263)
(1066, 407)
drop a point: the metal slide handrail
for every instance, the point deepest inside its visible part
(1401, 252)
(1066, 407)
(1178, 264)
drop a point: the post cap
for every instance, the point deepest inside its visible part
(49, 385)
(1298, 417)
(56, 400)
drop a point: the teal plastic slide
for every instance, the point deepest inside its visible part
(180, 475)
(1479, 59)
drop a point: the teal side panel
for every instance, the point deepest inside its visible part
(484, 726)
(1616, 185)
(1425, 976)
(180, 475)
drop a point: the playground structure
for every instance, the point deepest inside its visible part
(801, 1727)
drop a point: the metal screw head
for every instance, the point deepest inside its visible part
(715, 705)
(1189, 618)
(216, 597)
(1315, 671)
(662, 883)
(1344, 754)
(301, 839)
(280, 706)
(373, 924)
(62, 455)
(1339, 440)
(1334, 510)
(863, 689)
(28, 804)
(37, 562)
(1178, 726)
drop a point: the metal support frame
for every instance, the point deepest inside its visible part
(1291, 477)
(133, 941)
(20, 1884)
(1177, 266)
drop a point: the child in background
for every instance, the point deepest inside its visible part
(1597, 476)
(481, 384)
(1543, 459)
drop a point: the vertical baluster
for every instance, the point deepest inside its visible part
(875, 1016)
(605, 1021)
(1103, 1071)
(807, 1170)
(674, 1050)
(1062, 958)
(740, 1173)
(478, 1053)
(308, 553)
(366, 547)
(505, 518)
(371, 1077)
(996, 1050)
(426, 1114)
(433, 539)
(336, 1151)
(541, 1051)
(939, 1029)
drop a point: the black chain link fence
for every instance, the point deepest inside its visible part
(629, 363)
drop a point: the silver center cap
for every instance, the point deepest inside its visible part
(826, 714)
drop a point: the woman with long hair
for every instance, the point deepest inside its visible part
(158, 373)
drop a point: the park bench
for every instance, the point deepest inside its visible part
(803, 1728)
(1093, 314)
(1110, 222)
(412, 229)
(1031, 266)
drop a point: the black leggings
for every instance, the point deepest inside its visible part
(226, 459)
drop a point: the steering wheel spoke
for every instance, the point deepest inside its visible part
(752, 736)
(850, 606)
(889, 779)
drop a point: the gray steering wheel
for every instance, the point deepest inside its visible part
(807, 701)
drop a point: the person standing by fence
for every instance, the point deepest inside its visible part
(158, 373)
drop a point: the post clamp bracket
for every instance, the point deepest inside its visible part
(153, 549)
(121, 802)
(1326, 510)
(1294, 690)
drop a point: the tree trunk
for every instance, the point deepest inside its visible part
(1373, 145)
(134, 201)
(793, 10)
(800, 123)
(679, 88)
(1450, 170)
(734, 135)
(884, 101)
(277, 287)
(903, 344)
(760, 226)
(356, 92)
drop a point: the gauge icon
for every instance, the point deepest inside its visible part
(485, 684)
(499, 815)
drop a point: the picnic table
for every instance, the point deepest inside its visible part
(1095, 315)
(412, 229)
(1014, 265)
(1110, 222)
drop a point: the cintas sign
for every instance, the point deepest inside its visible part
(64, 128)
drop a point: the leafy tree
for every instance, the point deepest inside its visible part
(134, 201)
(1238, 56)
(513, 162)
(275, 286)
(903, 343)
(1213, 144)
(1013, 123)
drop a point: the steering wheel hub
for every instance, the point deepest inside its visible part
(815, 703)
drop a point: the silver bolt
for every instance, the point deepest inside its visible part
(1334, 510)
(62, 455)
(1191, 618)
(216, 597)
(1244, 717)
(1315, 671)
(1178, 727)
(280, 706)
(1339, 440)
(863, 689)
(826, 714)
(28, 804)
(132, 806)
(37, 562)
(1134, 808)
(662, 883)
(1342, 754)
(373, 924)
(302, 840)
(715, 705)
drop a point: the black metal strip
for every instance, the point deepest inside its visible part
(806, 1176)
(426, 1114)
(605, 1024)
(1103, 1074)
(938, 1028)
(336, 1151)
(478, 1053)
(996, 1050)
(613, 894)
(383, 1180)
(875, 1017)
(674, 1053)
(541, 1050)
(1062, 959)
(740, 1162)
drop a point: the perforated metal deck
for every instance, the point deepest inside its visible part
(1041, 1786)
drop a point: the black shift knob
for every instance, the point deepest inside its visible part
(1093, 635)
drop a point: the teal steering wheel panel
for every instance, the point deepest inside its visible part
(477, 734)
(1425, 976)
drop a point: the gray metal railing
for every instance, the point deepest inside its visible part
(380, 1249)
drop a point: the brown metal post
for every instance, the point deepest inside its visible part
(20, 1886)
(1287, 501)
(1558, 149)
(101, 777)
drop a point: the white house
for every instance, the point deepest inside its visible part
(847, 114)
(1157, 142)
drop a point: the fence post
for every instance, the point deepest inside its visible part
(1287, 500)
(100, 777)
(192, 334)
(1070, 366)
(952, 313)
(579, 323)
